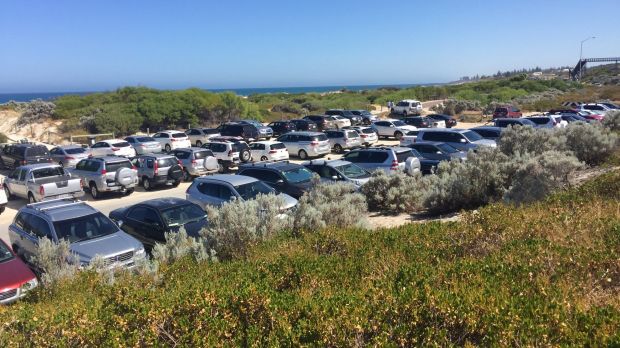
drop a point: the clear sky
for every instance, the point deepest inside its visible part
(81, 45)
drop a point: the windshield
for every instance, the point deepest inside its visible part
(298, 175)
(182, 214)
(352, 171)
(75, 151)
(252, 189)
(85, 227)
(254, 123)
(145, 139)
(47, 172)
(472, 136)
(399, 123)
(447, 148)
(5, 253)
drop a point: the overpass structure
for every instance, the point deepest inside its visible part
(581, 65)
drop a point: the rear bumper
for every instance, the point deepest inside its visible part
(77, 194)
(199, 172)
(162, 180)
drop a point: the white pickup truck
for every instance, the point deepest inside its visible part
(407, 107)
(38, 182)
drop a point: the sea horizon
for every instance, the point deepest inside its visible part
(48, 96)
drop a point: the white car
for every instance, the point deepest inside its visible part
(392, 128)
(368, 135)
(407, 107)
(172, 140)
(112, 147)
(409, 138)
(268, 151)
(340, 121)
(199, 136)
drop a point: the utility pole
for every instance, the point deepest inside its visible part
(581, 55)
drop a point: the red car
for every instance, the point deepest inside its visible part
(16, 279)
(507, 111)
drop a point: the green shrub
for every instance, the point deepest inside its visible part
(591, 144)
(55, 261)
(179, 245)
(612, 120)
(394, 193)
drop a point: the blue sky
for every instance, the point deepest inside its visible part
(63, 45)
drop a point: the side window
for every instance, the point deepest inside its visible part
(93, 166)
(352, 156)
(149, 163)
(19, 221)
(39, 227)
(80, 165)
(14, 174)
(144, 214)
(130, 140)
(22, 174)
(209, 189)
(181, 155)
(377, 157)
(225, 193)
(284, 138)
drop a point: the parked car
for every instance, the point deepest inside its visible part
(15, 155)
(462, 139)
(3, 200)
(353, 118)
(172, 140)
(388, 159)
(367, 134)
(417, 121)
(16, 278)
(439, 151)
(507, 111)
(570, 118)
(339, 170)
(304, 125)
(264, 132)
(591, 115)
(306, 144)
(143, 144)
(427, 166)
(610, 105)
(407, 107)
(283, 127)
(218, 189)
(247, 132)
(448, 120)
(505, 122)
(339, 121)
(341, 139)
(149, 221)
(488, 132)
(551, 121)
(106, 174)
(38, 182)
(68, 155)
(290, 178)
(158, 169)
(199, 136)
(598, 108)
(409, 138)
(367, 116)
(229, 151)
(268, 151)
(197, 161)
(90, 233)
(391, 128)
(112, 147)
(322, 122)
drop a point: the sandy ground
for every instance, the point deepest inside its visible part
(46, 131)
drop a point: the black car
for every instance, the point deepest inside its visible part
(321, 122)
(15, 155)
(450, 121)
(234, 129)
(427, 165)
(149, 221)
(438, 151)
(304, 125)
(292, 179)
(505, 122)
(355, 119)
(282, 127)
(417, 121)
(488, 132)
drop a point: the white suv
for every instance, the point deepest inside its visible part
(407, 107)
(112, 147)
(392, 128)
(199, 136)
(229, 152)
(268, 151)
(172, 140)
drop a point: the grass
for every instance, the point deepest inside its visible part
(541, 274)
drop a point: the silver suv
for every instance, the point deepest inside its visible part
(339, 140)
(388, 159)
(305, 144)
(158, 169)
(89, 232)
(107, 174)
(197, 161)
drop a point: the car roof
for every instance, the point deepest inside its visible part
(61, 209)
(267, 142)
(488, 128)
(109, 159)
(39, 165)
(192, 149)
(443, 130)
(428, 143)
(306, 133)
(163, 203)
(332, 163)
(156, 155)
(283, 165)
(170, 131)
(233, 179)
(72, 146)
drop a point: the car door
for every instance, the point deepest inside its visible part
(101, 149)
(209, 194)
(33, 228)
(7, 160)
(12, 180)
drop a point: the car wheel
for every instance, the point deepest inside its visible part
(167, 148)
(404, 113)
(264, 158)
(245, 156)
(198, 143)
(303, 154)
(146, 184)
(31, 198)
(61, 164)
(176, 183)
(94, 192)
(7, 192)
(221, 168)
(398, 135)
(2, 209)
(129, 191)
(338, 148)
(186, 175)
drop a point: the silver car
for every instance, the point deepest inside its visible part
(158, 169)
(106, 174)
(197, 161)
(144, 144)
(218, 189)
(461, 139)
(90, 233)
(339, 170)
(306, 144)
(69, 155)
(339, 140)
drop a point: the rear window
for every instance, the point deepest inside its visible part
(75, 150)
(114, 166)
(278, 146)
(167, 162)
(367, 131)
(539, 120)
(48, 172)
(202, 154)
(320, 137)
(145, 139)
(37, 151)
(352, 134)
(210, 131)
(179, 135)
(401, 156)
(236, 147)
(501, 110)
(121, 144)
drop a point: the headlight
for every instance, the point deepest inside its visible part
(140, 252)
(29, 285)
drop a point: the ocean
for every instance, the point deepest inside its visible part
(24, 97)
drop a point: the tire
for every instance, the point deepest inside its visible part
(175, 172)
(198, 143)
(398, 135)
(94, 192)
(2, 209)
(186, 176)
(167, 148)
(264, 158)
(366, 122)
(61, 164)
(222, 169)
(177, 183)
(303, 154)
(245, 156)
(129, 191)
(404, 113)
(31, 198)
(338, 149)
(146, 184)
(7, 192)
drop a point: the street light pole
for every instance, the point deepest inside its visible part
(581, 54)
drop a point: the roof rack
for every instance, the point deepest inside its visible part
(69, 201)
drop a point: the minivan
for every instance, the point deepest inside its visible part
(306, 144)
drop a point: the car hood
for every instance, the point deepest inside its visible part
(485, 142)
(289, 201)
(192, 228)
(461, 155)
(112, 244)
(14, 273)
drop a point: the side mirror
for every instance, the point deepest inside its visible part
(463, 140)
(119, 223)
(335, 177)
(279, 182)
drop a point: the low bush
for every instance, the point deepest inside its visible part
(179, 245)
(526, 139)
(612, 121)
(55, 261)
(331, 204)
(591, 144)
(3, 138)
(394, 193)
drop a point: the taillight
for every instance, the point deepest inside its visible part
(69, 158)
(194, 161)
(394, 165)
(133, 167)
(314, 143)
(115, 149)
(273, 151)
(24, 162)
(181, 164)
(364, 135)
(41, 190)
(156, 167)
(104, 172)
